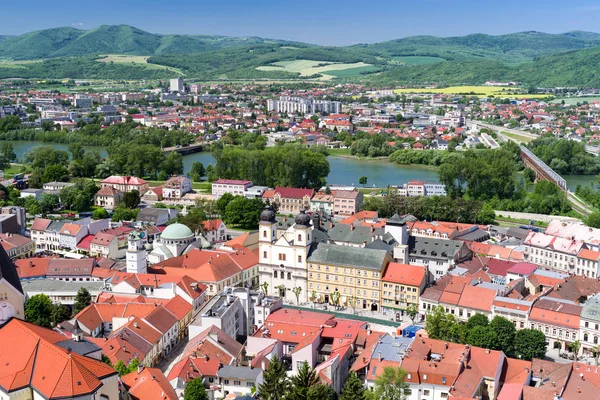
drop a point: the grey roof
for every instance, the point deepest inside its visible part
(379, 244)
(392, 348)
(398, 220)
(518, 233)
(242, 373)
(8, 271)
(54, 285)
(82, 347)
(433, 248)
(353, 234)
(591, 308)
(56, 225)
(150, 214)
(476, 235)
(324, 253)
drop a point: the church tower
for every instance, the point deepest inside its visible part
(136, 253)
(12, 297)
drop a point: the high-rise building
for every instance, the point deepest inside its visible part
(303, 105)
(176, 85)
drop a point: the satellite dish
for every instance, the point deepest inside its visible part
(142, 234)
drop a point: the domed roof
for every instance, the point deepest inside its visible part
(268, 215)
(302, 219)
(177, 232)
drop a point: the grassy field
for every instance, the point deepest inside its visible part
(339, 152)
(141, 61)
(523, 139)
(481, 91)
(574, 100)
(16, 64)
(311, 67)
(416, 60)
(352, 72)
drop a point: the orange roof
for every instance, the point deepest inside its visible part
(589, 255)
(149, 384)
(211, 225)
(404, 274)
(554, 318)
(38, 362)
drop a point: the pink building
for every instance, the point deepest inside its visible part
(347, 202)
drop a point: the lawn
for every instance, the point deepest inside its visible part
(520, 138)
(574, 100)
(339, 152)
(141, 61)
(311, 67)
(482, 91)
(352, 72)
(417, 60)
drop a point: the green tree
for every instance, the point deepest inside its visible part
(222, 203)
(124, 214)
(575, 346)
(275, 381)
(195, 390)
(297, 290)
(529, 344)
(55, 173)
(362, 180)
(306, 385)
(593, 220)
(243, 212)
(39, 310)
(197, 171)
(131, 199)
(76, 151)
(48, 202)
(44, 156)
(7, 152)
(100, 213)
(173, 164)
(32, 205)
(412, 311)
(439, 324)
(83, 298)
(123, 369)
(9, 123)
(60, 313)
(529, 175)
(477, 319)
(353, 388)
(390, 385)
(482, 336)
(505, 335)
(193, 219)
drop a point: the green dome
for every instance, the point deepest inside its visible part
(177, 232)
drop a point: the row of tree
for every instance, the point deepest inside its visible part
(290, 165)
(40, 310)
(478, 331)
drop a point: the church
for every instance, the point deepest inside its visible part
(12, 298)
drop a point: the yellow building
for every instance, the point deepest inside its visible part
(352, 274)
(402, 285)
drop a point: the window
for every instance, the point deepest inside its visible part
(226, 381)
(264, 254)
(299, 259)
(237, 383)
(289, 276)
(274, 274)
(425, 378)
(425, 392)
(444, 395)
(443, 380)
(264, 234)
(281, 257)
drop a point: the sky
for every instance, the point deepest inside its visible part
(325, 22)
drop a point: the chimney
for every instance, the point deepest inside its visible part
(379, 356)
(351, 227)
(140, 369)
(263, 366)
(330, 224)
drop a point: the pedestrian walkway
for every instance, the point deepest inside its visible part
(382, 318)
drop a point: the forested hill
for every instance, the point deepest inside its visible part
(575, 68)
(113, 39)
(514, 47)
(125, 39)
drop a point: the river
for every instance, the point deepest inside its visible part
(343, 171)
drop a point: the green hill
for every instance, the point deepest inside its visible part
(511, 48)
(38, 44)
(114, 39)
(574, 68)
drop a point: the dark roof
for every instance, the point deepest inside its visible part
(8, 271)
(82, 347)
(150, 214)
(434, 248)
(324, 253)
(477, 235)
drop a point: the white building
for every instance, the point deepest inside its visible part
(282, 262)
(176, 85)
(294, 105)
(233, 186)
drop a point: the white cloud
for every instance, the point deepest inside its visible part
(77, 24)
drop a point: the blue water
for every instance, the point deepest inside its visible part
(343, 171)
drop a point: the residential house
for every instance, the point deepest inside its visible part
(347, 202)
(17, 246)
(402, 285)
(176, 187)
(289, 200)
(214, 230)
